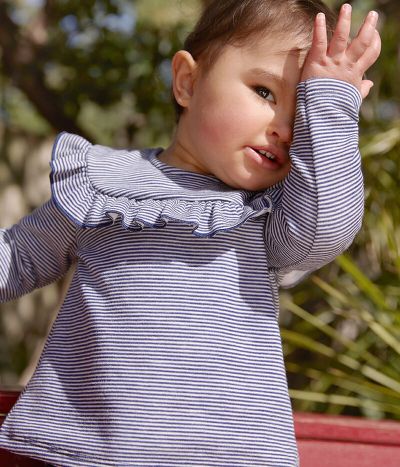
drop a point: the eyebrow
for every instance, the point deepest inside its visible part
(262, 73)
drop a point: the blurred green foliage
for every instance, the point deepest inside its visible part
(106, 68)
(341, 328)
(102, 67)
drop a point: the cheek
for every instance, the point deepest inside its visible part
(222, 122)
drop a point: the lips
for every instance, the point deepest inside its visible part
(266, 154)
(271, 154)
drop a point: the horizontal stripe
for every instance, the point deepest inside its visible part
(167, 350)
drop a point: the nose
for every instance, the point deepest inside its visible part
(284, 134)
(281, 127)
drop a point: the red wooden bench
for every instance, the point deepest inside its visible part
(342, 441)
(324, 440)
(8, 459)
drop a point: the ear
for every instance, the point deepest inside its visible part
(184, 71)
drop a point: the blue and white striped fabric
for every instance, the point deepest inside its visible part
(167, 351)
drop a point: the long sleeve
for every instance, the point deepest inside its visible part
(319, 208)
(36, 251)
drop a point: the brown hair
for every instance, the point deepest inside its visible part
(236, 22)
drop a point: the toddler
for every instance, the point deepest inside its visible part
(166, 351)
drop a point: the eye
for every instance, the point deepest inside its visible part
(264, 93)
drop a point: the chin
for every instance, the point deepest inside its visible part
(255, 184)
(250, 180)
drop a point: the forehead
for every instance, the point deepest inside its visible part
(280, 55)
(260, 46)
(275, 46)
(271, 62)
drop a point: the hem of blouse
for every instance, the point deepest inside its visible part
(25, 446)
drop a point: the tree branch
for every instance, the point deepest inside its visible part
(19, 59)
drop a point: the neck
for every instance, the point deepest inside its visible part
(177, 154)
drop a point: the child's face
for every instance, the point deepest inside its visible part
(244, 104)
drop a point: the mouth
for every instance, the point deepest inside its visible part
(271, 158)
(267, 154)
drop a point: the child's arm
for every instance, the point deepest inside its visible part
(321, 207)
(34, 252)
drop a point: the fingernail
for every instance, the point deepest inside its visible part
(320, 17)
(346, 8)
(373, 15)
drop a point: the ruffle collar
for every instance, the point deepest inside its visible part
(95, 185)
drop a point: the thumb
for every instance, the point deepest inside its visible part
(366, 86)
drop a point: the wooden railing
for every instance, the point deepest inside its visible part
(323, 440)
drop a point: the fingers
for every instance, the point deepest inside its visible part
(341, 35)
(365, 37)
(320, 42)
(372, 53)
(366, 86)
(343, 60)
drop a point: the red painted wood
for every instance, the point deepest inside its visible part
(332, 441)
(8, 459)
(8, 397)
(323, 440)
(347, 429)
(316, 453)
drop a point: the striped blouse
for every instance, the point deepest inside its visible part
(166, 351)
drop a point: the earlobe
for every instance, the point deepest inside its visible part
(184, 69)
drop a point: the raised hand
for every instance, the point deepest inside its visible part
(344, 59)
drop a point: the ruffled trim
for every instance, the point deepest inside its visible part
(86, 205)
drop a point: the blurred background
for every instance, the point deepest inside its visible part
(102, 69)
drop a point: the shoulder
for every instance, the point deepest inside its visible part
(84, 177)
(72, 153)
